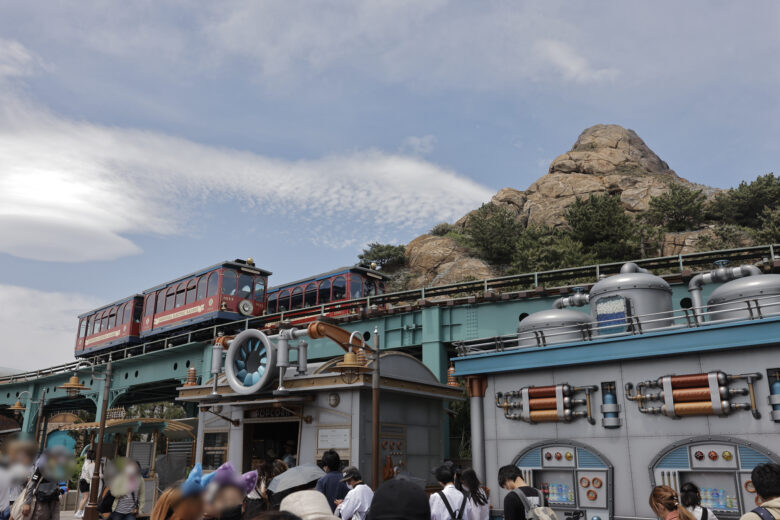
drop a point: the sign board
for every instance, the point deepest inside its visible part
(333, 438)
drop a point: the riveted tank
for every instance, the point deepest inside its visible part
(745, 298)
(553, 326)
(632, 298)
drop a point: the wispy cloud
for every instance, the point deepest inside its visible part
(571, 65)
(44, 342)
(422, 145)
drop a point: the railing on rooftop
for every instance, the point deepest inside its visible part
(458, 293)
(740, 310)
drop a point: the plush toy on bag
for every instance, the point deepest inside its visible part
(225, 492)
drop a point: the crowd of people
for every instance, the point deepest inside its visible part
(30, 490)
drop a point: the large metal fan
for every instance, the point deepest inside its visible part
(250, 363)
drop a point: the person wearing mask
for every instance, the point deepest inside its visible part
(449, 503)
(522, 497)
(85, 479)
(225, 492)
(129, 490)
(40, 499)
(330, 484)
(307, 505)
(399, 499)
(666, 505)
(766, 480)
(690, 497)
(182, 502)
(358, 500)
(468, 482)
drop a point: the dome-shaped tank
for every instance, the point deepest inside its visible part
(554, 325)
(640, 294)
(728, 302)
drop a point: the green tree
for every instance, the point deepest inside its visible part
(679, 209)
(725, 236)
(388, 257)
(442, 229)
(541, 248)
(744, 204)
(493, 232)
(769, 230)
(602, 226)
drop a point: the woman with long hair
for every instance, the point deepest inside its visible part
(690, 497)
(182, 501)
(85, 481)
(469, 484)
(665, 503)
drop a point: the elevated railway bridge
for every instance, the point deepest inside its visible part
(428, 323)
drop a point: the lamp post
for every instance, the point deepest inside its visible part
(91, 512)
(18, 408)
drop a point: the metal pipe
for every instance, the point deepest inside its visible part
(722, 274)
(631, 267)
(375, 412)
(477, 436)
(575, 300)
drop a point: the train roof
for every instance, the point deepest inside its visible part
(109, 305)
(359, 268)
(237, 264)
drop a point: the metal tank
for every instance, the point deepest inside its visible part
(746, 298)
(552, 327)
(633, 298)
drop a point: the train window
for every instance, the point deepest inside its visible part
(136, 309)
(112, 321)
(259, 288)
(149, 308)
(324, 291)
(104, 321)
(339, 288)
(192, 286)
(369, 287)
(229, 282)
(201, 288)
(160, 301)
(213, 284)
(272, 303)
(284, 301)
(120, 314)
(83, 328)
(297, 299)
(180, 291)
(310, 296)
(244, 286)
(128, 311)
(92, 322)
(355, 286)
(169, 298)
(381, 287)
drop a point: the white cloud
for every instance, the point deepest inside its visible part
(70, 191)
(16, 60)
(419, 145)
(571, 65)
(40, 342)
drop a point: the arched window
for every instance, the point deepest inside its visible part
(259, 288)
(229, 282)
(201, 288)
(244, 286)
(83, 328)
(128, 311)
(339, 288)
(96, 326)
(169, 298)
(284, 301)
(297, 299)
(272, 303)
(324, 291)
(149, 307)
(112, 318)
(104, 321)
(213, 284)
(355, 287)
(160, 301)
(192, 286)
(181, 289)
(310, 295)
(120, 315)
(369, 287)
(91, 325)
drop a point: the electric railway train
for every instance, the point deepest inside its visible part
(227, 291)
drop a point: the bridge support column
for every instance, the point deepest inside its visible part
(30, 413)
(434, 356)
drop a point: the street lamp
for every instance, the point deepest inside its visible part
(73, 387)
(350, 369)
(18, 409)
(91, 512)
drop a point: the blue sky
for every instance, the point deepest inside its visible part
(142, 140)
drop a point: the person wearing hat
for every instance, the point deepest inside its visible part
(399, 499)
(307, 505)
(358, 500)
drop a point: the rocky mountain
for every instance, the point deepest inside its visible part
(604, 159)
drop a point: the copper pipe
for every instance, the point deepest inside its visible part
(690, 381)
(544, 416)
(544, 403)
(320, 329)
(693, 408)
(541, 391)
(690, 394)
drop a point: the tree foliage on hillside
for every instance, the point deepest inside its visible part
(744, 204)
(541, 248)
(679, 209)
(602, 226)
(493, 232)
(386, 256)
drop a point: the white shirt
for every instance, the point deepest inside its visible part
(697, 512)
(5, 489)
(481, 512)
(356, 503)
(87, 469)
(455, 498)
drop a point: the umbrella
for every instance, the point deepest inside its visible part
(294, 477)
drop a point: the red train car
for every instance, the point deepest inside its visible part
(118, 323)
(226, 291)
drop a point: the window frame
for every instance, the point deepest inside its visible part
(170, 298)
(229, 273)
(239, 292)
(104, 320)
(319, 291)
(191, 290)
(272, 302)
(150, 298)
(306, 291)
(263, 284)
(202, 284)
(207, 450)
(281, 294)
(355, 281)
(181, 292)
(333, 288)
(212, 289)
(293, 294)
